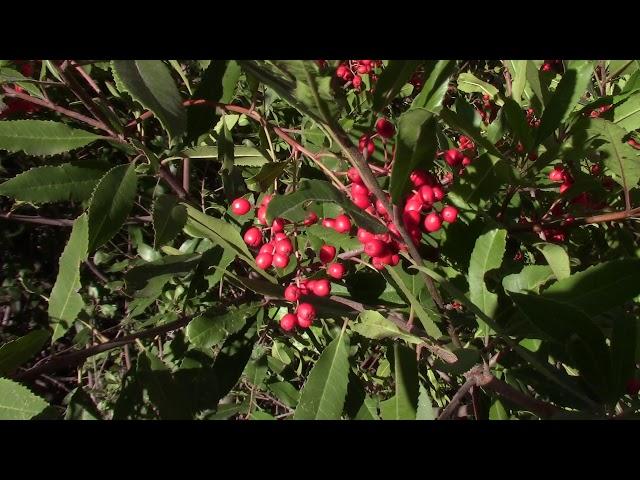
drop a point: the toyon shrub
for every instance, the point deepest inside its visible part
(320, 239)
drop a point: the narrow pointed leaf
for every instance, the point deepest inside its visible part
(169, 218)
(404, 403)
(17, 402)
(42, 137)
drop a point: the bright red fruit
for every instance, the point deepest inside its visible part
(359, 189)
(432, 222)
(327, 253)
(557, 174)
(277, 225)
(413, 203)
(266, 199)
(262, 215)
(361, 201)
(292, 293)
(329, 222)
(267, 248)
(253, 237)
(438, 193)
(284, 246)
(375, 247)
(343, 224)
(354, 175)
(385, 128)
(311, 219)
(453, 157)
(411, 218)
(288, 322)
(419, 178)
(305, 313)
(367, 144)
(449, 214)
(321, 288)
(264, 260)
(280, 260)
(380, 207)
(426, 194)
(240, 206)
(336, 270)
(357, 82)
(363, 235)
(279, 236)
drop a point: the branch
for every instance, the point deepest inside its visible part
(602, 218)
(60, 222)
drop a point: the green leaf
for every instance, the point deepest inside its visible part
(169, 218)
(288, 206)
(68, 182)
(416, 144)
(623, 353)
(10, 75)
(497, 411)
(149, 82)
(209, 329)
(571, 88)
(570, 327)
(331, 237)
(427, 318)
(368, 410)
(469, 83)
(425, 407)
(557, 259)
(530, 279)
(436, 83)
(396, 74)
(65, 302)
(80, 406)
(627, 115)
(242, 156)
(537, 87)
(285, 392)
(487, 255)
(268, 173)
(324, 392)
(518, 123)
(164, 392)
(619, 157)
(17, 402)
(163, 269)
(403, 405)
(42, 137)
(372, 324)
(15, 353)
(518, 71)
(218, 84)
(110, 204)
(599, 288)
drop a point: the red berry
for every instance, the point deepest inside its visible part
(288, 322)
(327, 253)
(262, 215)
(359, 189)
(305, 313)
(449, 214)
(557, 174)
(284, 246)
(343, 224)
(341, 71)
(292, 293)
(432, 222)
(374, 247)
(414, 203)
(419, 178)
(336, 270)
(321, 288)
(385, 128)
(277, 225)
(279, 236)
(329, 222)
(240, 206)
(264, 260)
(596, 169)
(267, 248)
(380, 207)
(395, 260)
(367, 144)
(353, 175)
(364, 236)
(565, 186)
(280, 260)
(411, 218)
(357, 82)
(438, 193)
(253, 237)
(361, 201)
(377, 263)
(266, 199)
(426, 194)
(311, 219)
(453, 157)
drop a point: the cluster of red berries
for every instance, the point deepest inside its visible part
(487, 110)
(532, 120)
(350, 71)
(552, 66)
(384, 130)
(304, 315)
(597, 112)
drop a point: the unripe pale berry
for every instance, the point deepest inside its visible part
(343, 224)
(264, 260)
(288, 322)
(292, 293)
(240, 206)
(432, 222)
(327, 253)
(253, 237)
(449, 214)
(385, 128)
(374, 247)
(336, 270)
